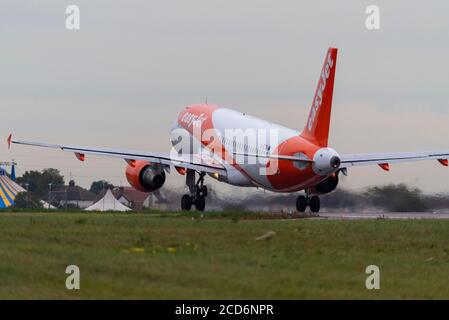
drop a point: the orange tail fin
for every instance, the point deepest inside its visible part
(317, 126)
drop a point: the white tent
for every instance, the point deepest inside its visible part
(108, 203)
(46, 205)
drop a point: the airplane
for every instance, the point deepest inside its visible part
(290, 162)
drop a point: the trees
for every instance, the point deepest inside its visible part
(30, 201)
(98, 186)
(38, 182)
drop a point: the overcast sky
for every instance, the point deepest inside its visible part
(121, 80)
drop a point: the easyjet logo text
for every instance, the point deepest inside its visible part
(189, 118)
(319, 94)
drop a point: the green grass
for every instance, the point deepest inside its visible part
(163, 256)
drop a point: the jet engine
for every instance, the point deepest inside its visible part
(145, 176)
(326, 186)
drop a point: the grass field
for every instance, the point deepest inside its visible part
(150, 256)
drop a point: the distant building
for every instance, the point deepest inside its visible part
(133, 198)
(72, 196)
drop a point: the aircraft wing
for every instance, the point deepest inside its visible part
(383, 159)
(190, 161)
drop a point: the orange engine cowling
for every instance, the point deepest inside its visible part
(145, 176)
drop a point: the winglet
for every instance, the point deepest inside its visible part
(384, 166)
(444, 162)
(9, 140)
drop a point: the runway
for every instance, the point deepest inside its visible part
(384, 215)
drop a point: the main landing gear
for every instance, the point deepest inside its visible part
(198, 192)
(312, 201)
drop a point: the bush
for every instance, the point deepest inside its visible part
(397, 198)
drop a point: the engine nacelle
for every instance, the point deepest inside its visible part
(326, 186)
(326, 161)
(145, 176)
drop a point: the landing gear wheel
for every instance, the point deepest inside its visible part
(204, 191)
(197, 191)
(314, 204)
(301, 204)
(186, 202)
(201, 191)
(200, 203)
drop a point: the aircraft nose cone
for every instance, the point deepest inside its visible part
(335, 162)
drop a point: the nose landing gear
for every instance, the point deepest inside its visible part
(312, 201)
(198, 192)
